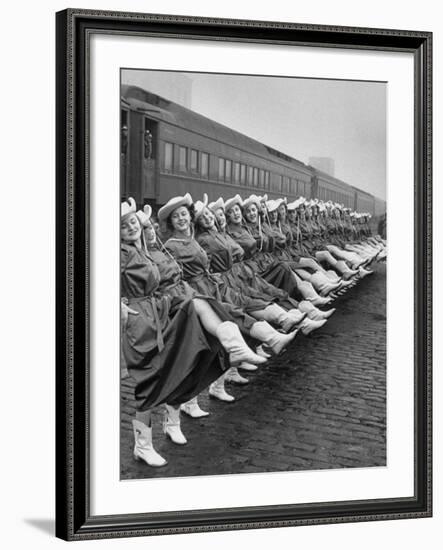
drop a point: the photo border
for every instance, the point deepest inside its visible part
(73, 32)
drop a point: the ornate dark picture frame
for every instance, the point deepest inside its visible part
(74, 30)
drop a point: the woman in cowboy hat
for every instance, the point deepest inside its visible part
(246, 268)
(311, 239)
(246, 236)
(299, 250)
(172, 284)
(171, 344)
(322, 279)
(226, 259)
(305, 268)
(273, 268)
(257, 246)
(351, 257)
(177, 214)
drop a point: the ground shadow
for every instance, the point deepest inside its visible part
(46, 525)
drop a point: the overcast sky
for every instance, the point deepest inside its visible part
(303, 118)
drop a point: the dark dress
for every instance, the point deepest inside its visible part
(194, 264)
(167, 351)
(297, 248)
(283, 240)
(221, 250)
(246, 271)
(258, 246)
(173, 285)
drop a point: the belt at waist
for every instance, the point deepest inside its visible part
(208, 276)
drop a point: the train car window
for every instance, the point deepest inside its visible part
(194, 160)
(124, 132)
(148, 140)
(182, 159)
(276, 183)
(262, 178)
(221, 169)
(255, 177)
(286, 184)
(169, 156)
(243, 173)
(250, 175)
(228, 170)
(236, 172)
(204, 168)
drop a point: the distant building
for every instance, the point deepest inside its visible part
(176, 88)
(325, 164)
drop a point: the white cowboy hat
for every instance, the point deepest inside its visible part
(273, 205)
(172, 205)
(128, 207)
(252, 199)
(199, 206)
(232, 202)
(144, 215)
(301, 201)
(216, 205)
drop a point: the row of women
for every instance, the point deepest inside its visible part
(231, 286)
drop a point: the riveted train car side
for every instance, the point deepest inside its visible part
(169, 150)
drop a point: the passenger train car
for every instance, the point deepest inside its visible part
(168, 150)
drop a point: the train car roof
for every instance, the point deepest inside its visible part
(325, 176)
(341, 183)
(162, 109)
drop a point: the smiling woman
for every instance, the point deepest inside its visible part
(169, 340)
(310, 400)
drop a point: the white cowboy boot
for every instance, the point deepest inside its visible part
(346, 284)
(231, 339)
(275, 340)
(326, 314)
(307, 290)
(320, 301)
(249, 366)
(171, 425)
(298, 314)
(217, 390)
(260, 351)
(143, 448)
(363, 272)
(328, 288)
(333, 275)
(232, 375)
(323, 284)
(276, 314)
(192, 409)
(309, 325)
(319, 315)
(305, 306)
(344, 269)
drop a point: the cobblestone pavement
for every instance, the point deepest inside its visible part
(321, 404)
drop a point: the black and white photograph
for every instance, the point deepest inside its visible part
(253, 262)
